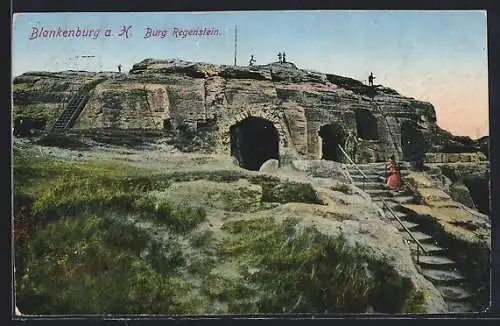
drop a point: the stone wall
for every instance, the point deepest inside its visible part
(454, 157)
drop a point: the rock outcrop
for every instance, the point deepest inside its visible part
(464, 232)
(467, 183)
(311, 112)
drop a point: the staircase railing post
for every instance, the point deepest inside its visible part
(418, 253)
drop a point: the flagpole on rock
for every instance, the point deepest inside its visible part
(235, 42)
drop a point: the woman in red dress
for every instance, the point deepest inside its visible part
(394, 179)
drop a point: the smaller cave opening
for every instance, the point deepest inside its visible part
(253, 142)
(479, 190)
(167, 124)
(332, 135)
(412, 142)
(26, 126)
(366, 124)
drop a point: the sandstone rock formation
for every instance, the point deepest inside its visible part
(465, 182)
(302, 113)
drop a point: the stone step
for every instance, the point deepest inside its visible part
(401, 193)
(367, 173)
(443, 277)
(409, 225)
(436, 262)
(370, 178)
(381, 165)
(370, 185)
(378, 201)
(377, 167)
(421, 237)
(403, 199)
(379, 193)
(454, 293)
(384, 170)
(432, 249)
(458, 307)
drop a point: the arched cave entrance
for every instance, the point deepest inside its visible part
(366, 124)
(254, 141)
(332, 135)
(412, 142)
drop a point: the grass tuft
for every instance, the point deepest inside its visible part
(299, 269)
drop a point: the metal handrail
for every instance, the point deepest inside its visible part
(386, 123)
(419, 245)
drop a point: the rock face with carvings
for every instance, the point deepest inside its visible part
(297, 113)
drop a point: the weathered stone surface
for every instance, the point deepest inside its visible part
(474, 176)
(131, 106)
(269, 166)
(181, 96)
(321, 169)
(232, 196)
(460, 193)
(464, 232)
(454, 157)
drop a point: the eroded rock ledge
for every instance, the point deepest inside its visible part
(186, 99)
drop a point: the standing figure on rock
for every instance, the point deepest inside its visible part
(280, 57)
(370, 79)
(252, 60)
(119, 68)
(284, 57)
(394, 179)
(351, 146)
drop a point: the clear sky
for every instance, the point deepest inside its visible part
(435, 56)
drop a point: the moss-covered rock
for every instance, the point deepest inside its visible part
(239, 196)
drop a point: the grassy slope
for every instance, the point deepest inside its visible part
(90, 241)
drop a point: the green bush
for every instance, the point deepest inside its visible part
(86, 189)
(123, 235)
(278, 191)
(70, 269)
(165, 257)
(200, 239)
(181, 217)
(303, 270)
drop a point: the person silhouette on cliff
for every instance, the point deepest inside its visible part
(284, 57)
(370, 79)
(252, 60)
(119, 68)
(280, 57)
